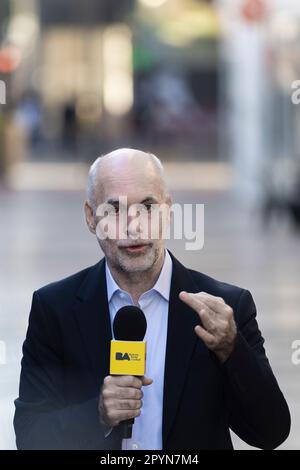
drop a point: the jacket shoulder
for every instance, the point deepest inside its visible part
(63, 291)
(229, 292)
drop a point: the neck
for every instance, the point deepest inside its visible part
(136, 283)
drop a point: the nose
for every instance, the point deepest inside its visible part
(134, 227)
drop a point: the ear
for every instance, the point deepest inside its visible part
(169, 200)
(89, 217)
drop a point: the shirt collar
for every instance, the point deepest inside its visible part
(162, 285)
(111, 284)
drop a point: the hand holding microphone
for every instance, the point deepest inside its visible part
(121, 394)
(121, 398)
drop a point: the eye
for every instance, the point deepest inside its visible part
(148, 206)
(113, 209)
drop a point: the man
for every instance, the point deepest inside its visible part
(206, 372)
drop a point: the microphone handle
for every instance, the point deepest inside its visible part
(127, 428)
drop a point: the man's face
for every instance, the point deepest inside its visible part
(137, 241)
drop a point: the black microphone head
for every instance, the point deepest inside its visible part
(130, 324)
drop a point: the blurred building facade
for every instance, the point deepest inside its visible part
(189, 79)
(98, 77)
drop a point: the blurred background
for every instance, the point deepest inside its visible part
(208, 86)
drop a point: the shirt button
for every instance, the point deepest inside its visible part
(135, 446)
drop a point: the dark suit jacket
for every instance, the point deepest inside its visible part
(66, 357)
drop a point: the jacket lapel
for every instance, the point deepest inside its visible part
(181, 341)
(92, 314)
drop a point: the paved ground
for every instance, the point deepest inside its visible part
(43, 238)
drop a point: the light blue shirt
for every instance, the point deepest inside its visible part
(147, 428)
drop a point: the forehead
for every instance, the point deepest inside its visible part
(137, 182)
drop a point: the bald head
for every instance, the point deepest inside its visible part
(122, 169)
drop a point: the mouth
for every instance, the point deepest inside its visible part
(136, 248)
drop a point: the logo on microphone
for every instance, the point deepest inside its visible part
(125, 356)
(122, 357)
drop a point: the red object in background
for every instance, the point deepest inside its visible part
(10, 58)
(254, 10)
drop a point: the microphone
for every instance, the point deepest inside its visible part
(128, 350)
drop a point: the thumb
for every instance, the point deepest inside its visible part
(146, 381)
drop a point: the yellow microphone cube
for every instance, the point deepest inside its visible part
(127, 357)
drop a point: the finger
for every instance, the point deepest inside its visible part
(191, 300)
(119, 415)
(128, 404)
(212, 296)
(127, 392)
(127, 381)
(146, 381)
(207, 337)
(214, 303)
(194, 300)
(208, 318)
